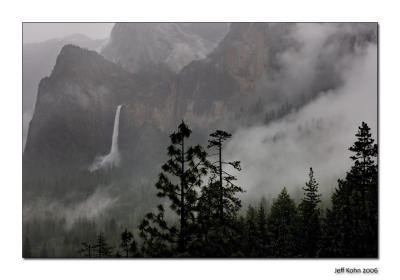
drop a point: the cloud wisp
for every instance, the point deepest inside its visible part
(318, 135)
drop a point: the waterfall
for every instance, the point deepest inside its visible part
(112, 159)
(114, 143)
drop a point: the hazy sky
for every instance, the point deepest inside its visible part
(38, 32)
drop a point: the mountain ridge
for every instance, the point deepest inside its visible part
(38, 62)
(235, 85)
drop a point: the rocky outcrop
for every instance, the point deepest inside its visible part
(267, 69)
(74, 113)
(38, 62)
(226, 85)
(148, 46)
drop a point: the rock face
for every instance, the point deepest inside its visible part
(228, 86)
(241, 81)
(74, 107)
(74, 114)
(264, 70)
(147, 46)
(213, 88)
(210, 31)
(38, 61)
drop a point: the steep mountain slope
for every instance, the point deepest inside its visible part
(75, 110)
(210, 31)
(261, 71)
(209, 88)
(147, 46)
(38, 61)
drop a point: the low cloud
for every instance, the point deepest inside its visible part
(318, 135)
(91, 208)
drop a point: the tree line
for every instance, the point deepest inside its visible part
(199, 188)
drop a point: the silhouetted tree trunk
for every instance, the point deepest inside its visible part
(187, 165)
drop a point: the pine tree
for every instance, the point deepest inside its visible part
(187, 166)
(262, 229)
(86, 250)
(282, 223)
(101, 248)
(365, 153)
(336, 231)
(251, 234)
(126, 239)
(157, 236)
(218, 205)
(133, 248)
(351, 226)
(227, 204)
(310, 228)
(364, 178)
(207, 217)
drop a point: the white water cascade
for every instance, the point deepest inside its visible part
(112, 159)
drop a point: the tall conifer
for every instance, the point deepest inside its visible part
(179, 181)
(310, 228)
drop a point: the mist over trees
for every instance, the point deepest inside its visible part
(351, 226)
(196, 185)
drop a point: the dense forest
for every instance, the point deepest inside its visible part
(200, 190)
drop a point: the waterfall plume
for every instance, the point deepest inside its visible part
(112, 159)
